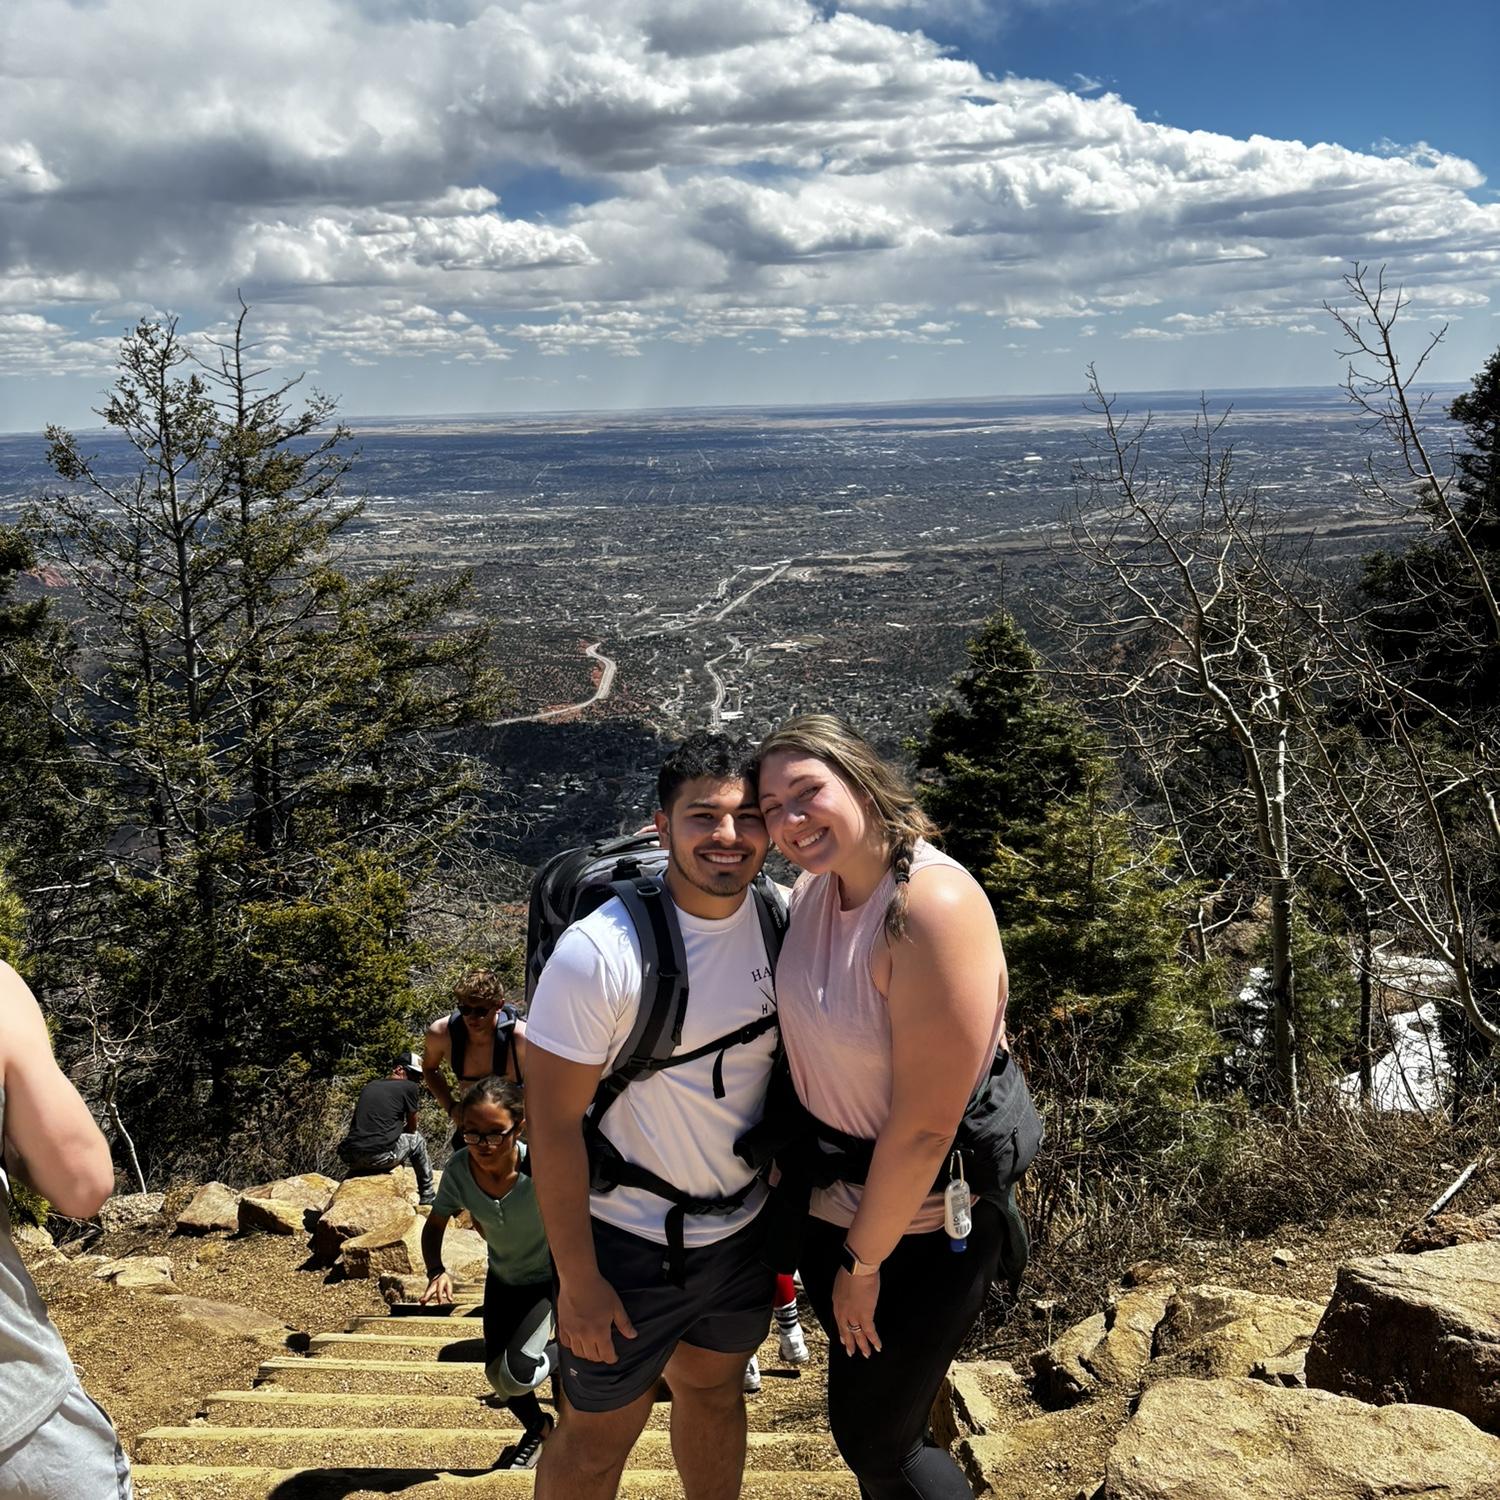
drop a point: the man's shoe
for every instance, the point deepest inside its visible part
(752, 1376)
(525, 1453)
(793, 1346)
(427, 1199)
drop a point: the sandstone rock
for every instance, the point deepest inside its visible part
(229, 1319)
(1419, 1328)
(394, 1248)
(214, 1206)
(272, 1215)
(1282, 1258)
(1004, 1464)
(981, 1390)
(139, 1273)
(1289, 1369)
(132, 1211)
(1446, 1230)
(1144, 1272)
(1212, 1331)
(361, 1204)
(1243, 1440)
(1110, 1349)
(311, 1189)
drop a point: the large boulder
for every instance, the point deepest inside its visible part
(392, 1248)
(1004, 1464)
(1423, 1328)
(213, 1207)
(127, 1211)
(229, 1319)
(1213, 1331)
(1110, 1349)
(360, 1204)
(139, 1273)
(286, 1206)
(1244, 1440)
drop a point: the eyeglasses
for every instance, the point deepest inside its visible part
(476, 1012)
(490, 1138)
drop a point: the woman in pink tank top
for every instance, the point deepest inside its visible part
(891, 992)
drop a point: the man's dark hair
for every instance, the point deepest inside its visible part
(704, 754)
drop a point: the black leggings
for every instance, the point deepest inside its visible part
(878, 1408)
(519, 1347)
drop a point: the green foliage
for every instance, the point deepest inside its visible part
(1001, 750)
(1103, 998)
(267, 732)
(12, 922)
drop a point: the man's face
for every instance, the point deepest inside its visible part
(715, 839)
(479, 1017)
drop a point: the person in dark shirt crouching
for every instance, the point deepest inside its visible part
(383, 1133)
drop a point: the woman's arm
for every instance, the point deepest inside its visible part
(943, 982)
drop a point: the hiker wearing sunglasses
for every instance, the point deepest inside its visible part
(480, 1038)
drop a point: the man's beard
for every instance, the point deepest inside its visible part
(730, 883)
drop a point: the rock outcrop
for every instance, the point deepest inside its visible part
(1443, 1231)
(1244, 1440)
(1416, 1328)
(1213, 1331)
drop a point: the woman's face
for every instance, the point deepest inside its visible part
(490, 1132)
(813, 816)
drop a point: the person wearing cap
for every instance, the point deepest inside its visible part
(383, 1134)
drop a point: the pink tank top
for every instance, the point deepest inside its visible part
(835, 1024)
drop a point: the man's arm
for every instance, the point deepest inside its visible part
(588, 1309)
(434, 1055)
(57, 1146)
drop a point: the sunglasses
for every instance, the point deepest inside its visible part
(477, 1012)
(490, 1138)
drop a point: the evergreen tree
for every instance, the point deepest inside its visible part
(1000, 750)
(267, 726)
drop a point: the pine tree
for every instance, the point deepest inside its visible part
(268, 730)
(1001, 750)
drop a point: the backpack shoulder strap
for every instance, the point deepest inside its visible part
(662, 1007)
(458, 1041)
(504, 1046)
(770, 907)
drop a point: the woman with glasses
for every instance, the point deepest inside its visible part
(488, 1178)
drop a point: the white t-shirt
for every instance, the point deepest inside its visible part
(584, 1010)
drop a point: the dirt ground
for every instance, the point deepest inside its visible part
(148, 1368)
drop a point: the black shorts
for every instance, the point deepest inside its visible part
(724, 1306)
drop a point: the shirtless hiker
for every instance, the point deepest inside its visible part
(480, 1038)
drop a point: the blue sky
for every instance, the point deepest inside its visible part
(444, 206)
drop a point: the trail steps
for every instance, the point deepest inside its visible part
(398, 1405)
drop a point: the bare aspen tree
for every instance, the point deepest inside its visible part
(1181, 650)
(1416, 800)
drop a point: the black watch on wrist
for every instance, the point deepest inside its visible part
(853, 1264)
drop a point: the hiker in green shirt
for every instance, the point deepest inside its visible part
(490, 1179)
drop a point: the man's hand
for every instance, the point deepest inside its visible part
(439, 1290)
(588, 1312)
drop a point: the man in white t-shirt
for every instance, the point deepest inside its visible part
(624, 1319)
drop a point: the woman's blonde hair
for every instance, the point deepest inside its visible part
(880, 785)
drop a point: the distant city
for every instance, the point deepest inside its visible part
(649, 574)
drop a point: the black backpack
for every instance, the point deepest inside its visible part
(579, 881)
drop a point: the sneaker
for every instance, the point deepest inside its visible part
(793, 1346)
(525, 1453)
(752, 1376)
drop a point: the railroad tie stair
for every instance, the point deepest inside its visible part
(398, 1405)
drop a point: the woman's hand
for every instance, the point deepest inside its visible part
(854, 1299)
(439, 1289)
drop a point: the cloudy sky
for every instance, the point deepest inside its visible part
(498, 205)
